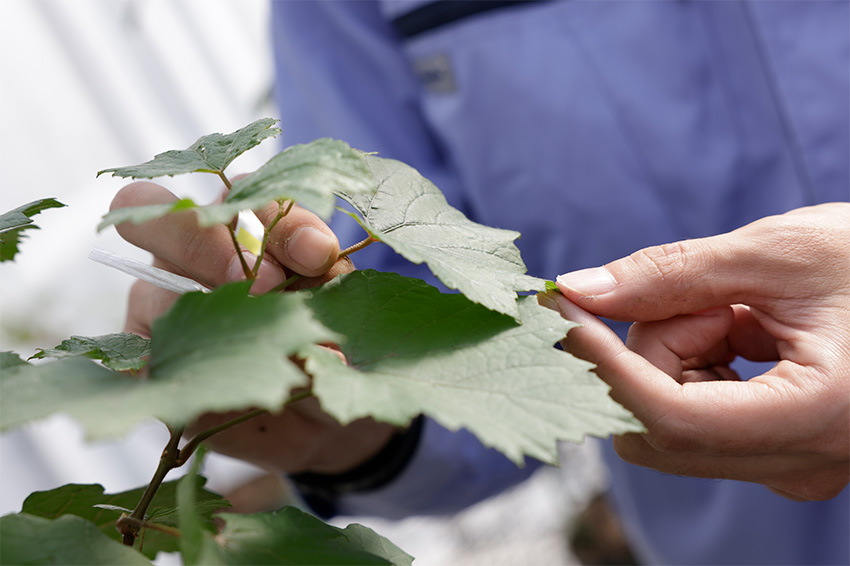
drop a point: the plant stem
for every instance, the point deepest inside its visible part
(356, 247)
(167, 462)
(137, 524)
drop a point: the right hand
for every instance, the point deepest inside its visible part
(302, 437)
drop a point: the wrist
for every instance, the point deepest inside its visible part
(322, 490)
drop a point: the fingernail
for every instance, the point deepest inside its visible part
(269, 275)
(588, 282)
(310, 249)
(546, 300)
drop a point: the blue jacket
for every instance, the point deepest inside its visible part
(594, 129)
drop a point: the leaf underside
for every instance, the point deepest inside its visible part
(210, 154)
(309, 174)
(412, 216)
(121, 351)
(413, 350)
(15, 222)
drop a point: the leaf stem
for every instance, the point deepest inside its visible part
(245, 269)
(356, 247)
(267, 233)
(196, 440)
(224, 178)
(167, 462)
(287, 283)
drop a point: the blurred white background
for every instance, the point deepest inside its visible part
(91, 84)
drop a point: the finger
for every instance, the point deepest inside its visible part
(146, 303)
(204, 254)
(692, 343)
(684, 277)
(635, 383)
(799, 476)
(300, 241)
(713, 417)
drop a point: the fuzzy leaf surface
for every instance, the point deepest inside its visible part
(211, 153)
(413, 350)
(408, 213)
(310, 174)
(121, 351)
(67, 540)
(219, 351)
(103, 509)
(15, 222)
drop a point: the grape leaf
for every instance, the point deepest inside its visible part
(412, 350)
(288, 536)
(10, 359)
(211, 153)
(121, 351)
(412, 216)
(15, 222)
(189, 521)
(91, 503)
(66, 540)
(220, 351)
(140, 214)
(308, 174)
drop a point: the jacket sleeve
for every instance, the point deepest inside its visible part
(341, 73)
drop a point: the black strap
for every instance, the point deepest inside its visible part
(436, 14)
(320, 491)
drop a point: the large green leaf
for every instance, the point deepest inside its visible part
(91, 503)
(220, 351)
(290, 536)
(211, 153)
(27, 539)
(121, 351)
(412, 216)
(15, 222)
(412, 350)
(287, 536)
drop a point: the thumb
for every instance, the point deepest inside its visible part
(663, 281)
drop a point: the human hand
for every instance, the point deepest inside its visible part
(775, 290)
(301, 437)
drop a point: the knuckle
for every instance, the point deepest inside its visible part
(672, 434)
(669, 261)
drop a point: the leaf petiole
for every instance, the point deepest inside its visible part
(281, 213)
